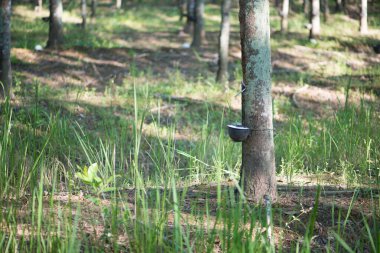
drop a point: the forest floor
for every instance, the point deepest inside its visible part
(92, 82)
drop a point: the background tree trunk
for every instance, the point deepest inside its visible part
(258, 162)
(284, 16)
(326, 10)
(55, 24)
(224, 39)
(93, 8)
(363, 17)
(119, 3)
(190, 14)
(315, 21)
(84, 13)
(5, 49)
(199, 33)
(38, 6)
(306, 6)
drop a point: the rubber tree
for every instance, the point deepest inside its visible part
(55, 24)
(224, 40)
(5, 49)
(284, 16)
(315, 21)
(363, 17)
(84, 13)
(199, 33)
(258, 161)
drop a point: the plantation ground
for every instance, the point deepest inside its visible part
(126, 95)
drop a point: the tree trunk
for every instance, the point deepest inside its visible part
(284, 16)
(38, 5)
(306, 6)
(199, 33)
(5, 49)
(363, 18)
(224, 38)
(55, 24)
(338, 5)
(315, 21)
(190, 14)
(119, 3)
(182, 5)
(258, 162)
(84, 13)
(93, 8)
(326, 10)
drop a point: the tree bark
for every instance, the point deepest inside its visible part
(326, 10)
(38, 5)
(306, 6)
(84, 13)
(119, 3)
(315, 21)
(363, 17)
(190, 16)
(93, 8)
(284, 16)
(224, 39)
(199, 33)
(5, 49)
(258, 161)
(55, 24)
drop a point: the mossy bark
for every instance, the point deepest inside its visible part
(5, 49)
(224, 40)
(258, 162)
(55, 24)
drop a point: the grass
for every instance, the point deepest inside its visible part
(166, 171)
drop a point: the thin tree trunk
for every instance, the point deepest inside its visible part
(55, 24)
(306, 6)
(190, 14)
(182, 4)
(5, 49)
(338, 5)
(38, 5)
(224, 38)
(326, 10)
(84, 13)
(284, 16)
(258, 161)
(119, 3)
(93, 8)
(315, 21)
(363, 17)
(199, 33)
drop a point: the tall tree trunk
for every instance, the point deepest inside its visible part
(84, 13)
(55, 24)
(199, 33)
(284, 16)
(363, 18)
(119, 3)
(224, 39)
(258, 162)
(5, 49)
(190, 14)
(38, 5)
(326, 10)
(339, 5)
(306, 6)
(315, 21)
(93, 8)
(182, 9)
